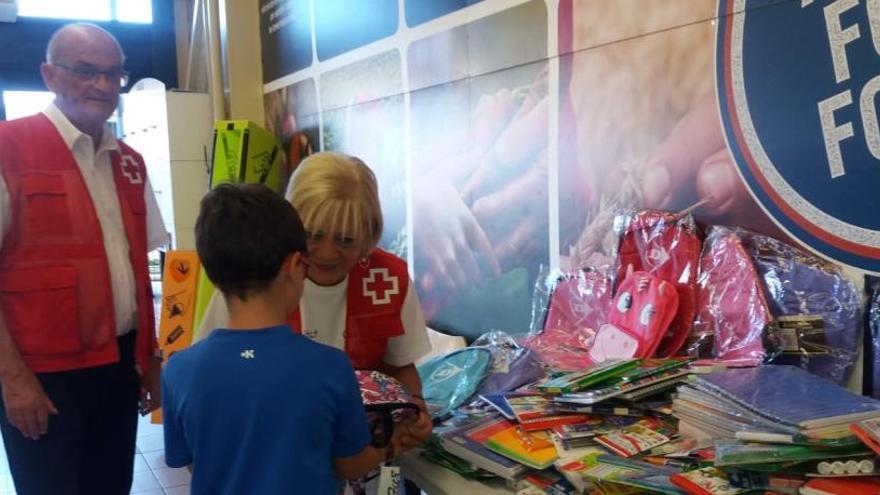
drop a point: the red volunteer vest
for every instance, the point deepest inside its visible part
(55, 291)
(375, 295)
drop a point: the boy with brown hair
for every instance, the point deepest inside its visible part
(255, 407)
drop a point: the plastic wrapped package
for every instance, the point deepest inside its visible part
(736, 453)
(816, 306)
(665, 245)
(386, 402)
(732, 311)
(449, 380)
(511, 367)
(872, 339)
(578, 303)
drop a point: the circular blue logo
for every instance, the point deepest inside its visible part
(797, 87)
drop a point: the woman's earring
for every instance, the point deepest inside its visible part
(364, 262)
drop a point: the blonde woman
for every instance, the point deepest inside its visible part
(357, 297)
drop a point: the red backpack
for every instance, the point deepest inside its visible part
(665, 245)
(732, 309)
(579, 303)
(643, 309)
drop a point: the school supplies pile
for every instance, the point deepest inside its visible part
(536, 427)
(614, 414)
(778, 429)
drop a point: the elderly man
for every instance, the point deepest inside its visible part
(77, 218)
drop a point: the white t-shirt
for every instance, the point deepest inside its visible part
(323, 312)
(97, 173)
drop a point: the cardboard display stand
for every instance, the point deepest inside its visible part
(243, 152)
(176, 322)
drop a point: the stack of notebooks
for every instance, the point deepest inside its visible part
(468, 442)
(781, 404)
(629, 379)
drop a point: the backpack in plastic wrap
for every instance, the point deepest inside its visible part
(816, 307)
(871, 383)
(512, 366)
(732, 311)
(449, 380)
(578, 303)
(665, 245)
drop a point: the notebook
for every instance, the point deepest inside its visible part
(788, 396)
(705, 481)
(608, 471)
(653, 389)
(468, 441)
(842, 486)
(607, 408)
(868, 432)
(597, 373)
(499, 403)
(536, 412)
(595, 395)
(534, 450)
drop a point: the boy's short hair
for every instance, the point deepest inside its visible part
(244, 234)
(337, 193)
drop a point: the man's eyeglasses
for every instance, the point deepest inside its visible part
(87, 73)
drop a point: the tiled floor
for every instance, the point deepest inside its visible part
(151, 475)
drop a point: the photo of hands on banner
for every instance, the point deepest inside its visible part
(637, 126)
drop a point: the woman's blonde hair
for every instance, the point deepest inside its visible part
(337, 194)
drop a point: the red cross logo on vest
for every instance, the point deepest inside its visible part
(129, 167)
(380, 286)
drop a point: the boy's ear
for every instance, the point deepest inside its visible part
(292, 263)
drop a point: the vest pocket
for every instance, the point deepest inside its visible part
(45, 206)
(40, 309)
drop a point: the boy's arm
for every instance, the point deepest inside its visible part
(177, 452)
(369, 458)
(353, 456)
(361, 463)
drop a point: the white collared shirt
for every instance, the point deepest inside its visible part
(97, 173)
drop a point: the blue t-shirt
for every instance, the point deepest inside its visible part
(261, 411)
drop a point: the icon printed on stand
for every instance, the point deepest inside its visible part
(175, 306)
(264, 161)
(174, 335)
(180, 270)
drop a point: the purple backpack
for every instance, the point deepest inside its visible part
(797, 284)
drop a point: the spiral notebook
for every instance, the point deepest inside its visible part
(786, 396)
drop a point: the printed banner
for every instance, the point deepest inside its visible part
(506, 136)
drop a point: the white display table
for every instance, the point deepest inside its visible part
(437, 480)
